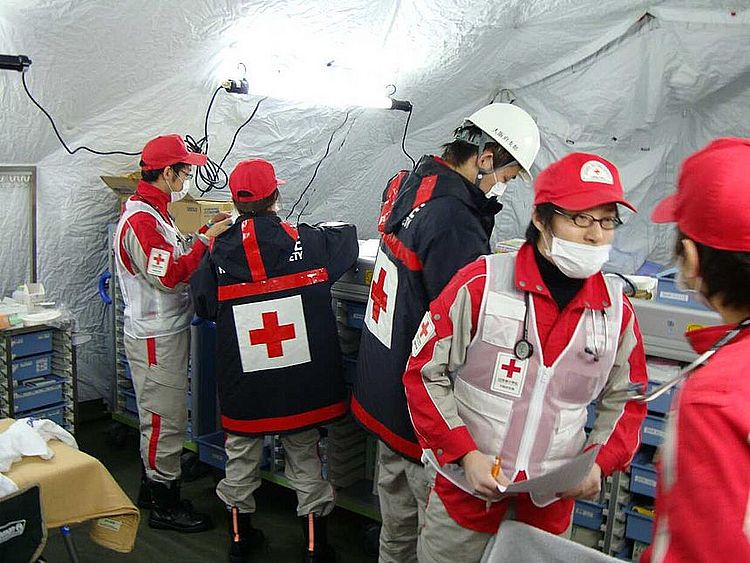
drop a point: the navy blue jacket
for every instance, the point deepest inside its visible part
(268, 286)
(432, 223)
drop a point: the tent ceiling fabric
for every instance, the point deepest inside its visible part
(642, 83)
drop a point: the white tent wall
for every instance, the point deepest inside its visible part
(599, 76)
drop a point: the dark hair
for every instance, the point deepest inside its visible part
(545, 211)
(725, 273)
(457, 151)
(153, 175)
(253, 207)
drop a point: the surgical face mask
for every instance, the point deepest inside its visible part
(177, 196)
(681, 283)
(577, 260)
(498, 188)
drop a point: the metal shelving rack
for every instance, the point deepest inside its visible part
(38, 374)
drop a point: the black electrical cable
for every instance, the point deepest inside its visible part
(248, 120)
(315, 172)
(631, 285)
(403, 140)
(57, 133)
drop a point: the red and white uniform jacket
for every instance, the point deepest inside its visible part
(153, 266)
(467, 391)
(703, 489)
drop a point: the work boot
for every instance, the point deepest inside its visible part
(243, 538)
(145, 497)
(317, 549)
(169, 512)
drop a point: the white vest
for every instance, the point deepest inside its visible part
(150, 312)
(531, 414)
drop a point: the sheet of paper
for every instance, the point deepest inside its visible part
(561, 479)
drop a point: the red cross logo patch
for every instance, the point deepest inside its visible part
(425, 332)
(271, 334)
(595, 171)
(382, 299)
(509, 375)
(158, 260)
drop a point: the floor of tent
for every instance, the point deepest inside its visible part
(275, 515)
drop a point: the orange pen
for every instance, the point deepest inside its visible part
(495, 471)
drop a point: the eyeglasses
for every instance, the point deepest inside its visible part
(187, 177)
(584, 220)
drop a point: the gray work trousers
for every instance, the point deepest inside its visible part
(302, 468)
(402, 491)
(159, 368)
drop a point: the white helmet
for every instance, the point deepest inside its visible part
(513, 129)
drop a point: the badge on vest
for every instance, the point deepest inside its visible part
(158, 261)
(271, 334)
(425, 332)
(382, 300)
(509, 375)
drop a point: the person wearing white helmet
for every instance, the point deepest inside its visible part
(434, 220)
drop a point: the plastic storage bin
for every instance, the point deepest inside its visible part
(31, 367)
(643, 479)
(355, 314)
(667, 292)
(588, 514)
(663, 403)
(211, 449)
(653, 430)
(36, 393)
(638, 527)
(55, 413)
(31, 343)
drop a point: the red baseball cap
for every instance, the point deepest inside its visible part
(166, 150)
(252, 180)
(580, 181)
(713, 196)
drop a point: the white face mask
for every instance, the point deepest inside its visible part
(681, 284)
(577, 260)
(497, 190)
(177, 196)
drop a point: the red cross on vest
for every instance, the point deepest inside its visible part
(423, 329)
(511, 368)
(378, 296)
(158, 259)
(272, 334)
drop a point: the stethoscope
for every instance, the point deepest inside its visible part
(523, 349)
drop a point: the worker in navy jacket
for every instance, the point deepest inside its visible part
(279, 369)
(434, 220)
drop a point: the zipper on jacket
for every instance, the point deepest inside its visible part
(531, 426)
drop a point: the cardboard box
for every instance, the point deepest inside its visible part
(123, 186)
(191, 214)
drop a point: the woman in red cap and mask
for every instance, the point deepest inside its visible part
(509, 356)
(703, 495)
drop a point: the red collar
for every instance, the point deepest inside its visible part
(593, 295)
(153, 196)
(701, 339)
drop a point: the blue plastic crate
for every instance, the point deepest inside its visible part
(653, 430)
(130, 403)
(667, 292)
(31, 367)
(31, 343)
(660, 405)
(55, 413)
(643, 479)
(590, 415)
(350, 369)
(211, 449)
(36, 393)
(638, 527)
(355, 315)
(588, 514)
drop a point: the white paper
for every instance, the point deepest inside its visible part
(559, 480)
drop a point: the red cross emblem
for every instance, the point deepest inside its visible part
(423, 328)
(158, 259)
(511, 368)
(378, 296)
(272, 334)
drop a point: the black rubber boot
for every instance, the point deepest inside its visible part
(243, 538)
(145, 497)
(317, 549)
(169, 512)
